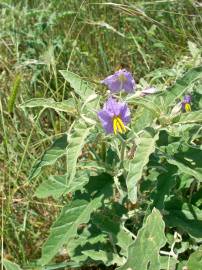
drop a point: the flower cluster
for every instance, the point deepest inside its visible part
(116, 115)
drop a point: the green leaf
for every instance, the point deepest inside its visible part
(165, 182)
(51, 155)
(116, 231)
(145, 250)
(187, 118)
(73, 214)
(184, 168)
(108, 258)
(195, 260)
(83, 88)
(187, 217)
(76, 143)
(147, 103)
(143, 118)
(10, 265)
(64, 106)
(182, 85)
(145, 148)
(168, 263)
(58, 185)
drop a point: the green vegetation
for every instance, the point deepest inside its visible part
(44, 44)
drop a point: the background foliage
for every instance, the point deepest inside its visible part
(57, 165)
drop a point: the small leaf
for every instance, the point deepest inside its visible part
(10, 265)
(64, 106)
(83, 88)
(145, 250)
(50, 156)
(136, 166)
(195, 259)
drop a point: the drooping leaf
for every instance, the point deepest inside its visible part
(10, 265)
(64, 106)
(182, 85)
(50, 156)
(65, 227)
(195, 259)
(76, 143)
(145, 148)
(58, 185)
(186, 216)
(83, 88)
(145, 249)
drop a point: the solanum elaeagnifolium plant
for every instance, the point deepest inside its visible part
(136, 189)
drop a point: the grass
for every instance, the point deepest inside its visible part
(157, 40)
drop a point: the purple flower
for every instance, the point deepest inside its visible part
(120, 80)
(186, 107)
(114, 116)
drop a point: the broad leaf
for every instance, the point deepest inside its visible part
(145, 249)
(75, 213)
(182, 85)
(195, 260)
(116, 231)
(10, 265)
(187, 217)
(72, 215)
(165, 182)
(83, 88)
(58, 185)
(147, 103)
(108, 258)
(76, 143)
(184, 168)
(64, 106)
(191, 117)
(136, 166)
(51, 155)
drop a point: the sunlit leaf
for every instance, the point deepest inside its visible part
(57, 185)
(64, 106)
(195, 259)
(181, 86)
(83, 88)
(145, 249)
(50, 156)
(76, 143)
(10, 265)
(73, 214)
(145, 148)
